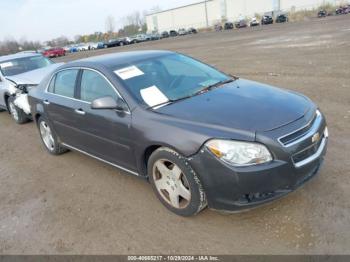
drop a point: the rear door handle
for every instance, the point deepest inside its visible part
(79, 111)
(46, 102)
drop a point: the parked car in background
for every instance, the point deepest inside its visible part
(282, 18)
(93, 46)
(173, 33)
(139, 38)
(165, 34)
(18, 74)
(241, 24)
(133, 39)
(342, 10)
(254, 22)
(238, 144)
(83, 47)
(192, 30)
(67, 48)
(322, 13)
(229, 26)
(154, 36)
(54, 52)
(182, 31)
(218, 27)
(113, 43)
(127, 40)
(100, 45)
(74, 49)
(266, 20)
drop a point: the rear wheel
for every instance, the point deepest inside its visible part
(175, 183)
(49, 138)
(17, 114)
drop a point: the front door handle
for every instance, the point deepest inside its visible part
(79, 111)
(46, 102)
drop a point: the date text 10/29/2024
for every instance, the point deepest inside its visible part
(173, 258)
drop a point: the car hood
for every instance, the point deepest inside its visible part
(33, 77)
(243, 105)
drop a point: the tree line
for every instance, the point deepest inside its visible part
(133, 23)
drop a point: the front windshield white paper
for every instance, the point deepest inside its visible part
(128, 72)
(7, 64)
(153, 96)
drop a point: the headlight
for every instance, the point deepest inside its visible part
(239, 153)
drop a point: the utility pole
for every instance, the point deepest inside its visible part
(206, 13)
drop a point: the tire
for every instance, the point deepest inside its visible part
(186, 197)
(16, 113)
(49, 138)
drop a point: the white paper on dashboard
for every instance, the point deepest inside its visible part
(153, 96)
(128, 72)
(7, 64)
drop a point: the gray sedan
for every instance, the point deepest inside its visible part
(200, 136)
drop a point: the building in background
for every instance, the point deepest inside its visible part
(208, 13)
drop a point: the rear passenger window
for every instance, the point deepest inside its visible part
(94, 86)
(52, 85)
(65, 82)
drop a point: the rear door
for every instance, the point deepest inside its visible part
(60, 104)
(103, 133)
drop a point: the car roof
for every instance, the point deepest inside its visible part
(120, 58)
(16, 56)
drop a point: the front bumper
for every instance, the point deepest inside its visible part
(231, 188)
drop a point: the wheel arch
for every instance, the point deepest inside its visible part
(148, 151)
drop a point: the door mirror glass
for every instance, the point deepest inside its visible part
(109, 102)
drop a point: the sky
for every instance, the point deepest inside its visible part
(41, 20)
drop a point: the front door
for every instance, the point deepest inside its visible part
(103, 133)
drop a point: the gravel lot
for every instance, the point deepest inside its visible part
(73, 204)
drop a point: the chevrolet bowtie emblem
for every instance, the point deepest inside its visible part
(315, 138)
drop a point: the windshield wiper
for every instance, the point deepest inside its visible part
(206, 89)
(218, 84)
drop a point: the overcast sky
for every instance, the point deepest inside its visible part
(46, 19)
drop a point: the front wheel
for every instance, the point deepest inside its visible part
(175, 183)
(49, 138)
(17, 114)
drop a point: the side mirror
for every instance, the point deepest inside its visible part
(109, 103)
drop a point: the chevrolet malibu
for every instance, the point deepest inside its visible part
(199, 136)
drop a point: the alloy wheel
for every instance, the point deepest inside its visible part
(171, 184)
(46, 135)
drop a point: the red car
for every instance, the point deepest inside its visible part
(54, 52)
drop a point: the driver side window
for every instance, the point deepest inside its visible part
(94, 86)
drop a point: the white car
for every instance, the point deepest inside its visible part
(18, 74)
(93, 46)
(83, 47)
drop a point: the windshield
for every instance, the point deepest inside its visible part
(23, 65)
(168, 78)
